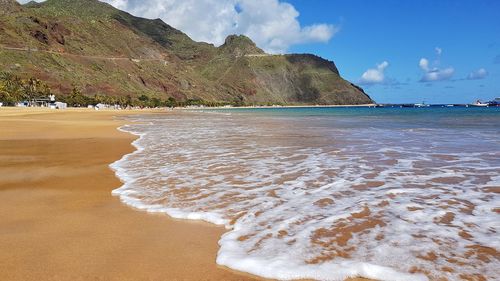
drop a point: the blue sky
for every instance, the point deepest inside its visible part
(401, 33)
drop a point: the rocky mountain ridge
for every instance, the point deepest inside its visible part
(105, 51)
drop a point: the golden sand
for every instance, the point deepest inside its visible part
(58, 220)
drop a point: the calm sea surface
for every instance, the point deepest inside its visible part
(327, 193)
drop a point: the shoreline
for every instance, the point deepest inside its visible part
(277, 106)
(59, 220)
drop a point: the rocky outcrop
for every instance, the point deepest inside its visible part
(240, 45)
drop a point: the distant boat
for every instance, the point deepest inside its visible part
(495, 102)
(423, 104)
(479, 104)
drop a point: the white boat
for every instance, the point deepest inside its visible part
(479, 103)
(423, 104)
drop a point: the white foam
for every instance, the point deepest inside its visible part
(266, 175)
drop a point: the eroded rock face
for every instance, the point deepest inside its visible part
(58, 31)
(46, 32)
(40, 36)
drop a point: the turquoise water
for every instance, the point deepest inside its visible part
(473, 116)
(362, 110)
(329, 193)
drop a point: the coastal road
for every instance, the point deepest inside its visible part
(30, 50)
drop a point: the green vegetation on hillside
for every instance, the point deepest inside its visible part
(106, 52)
(15, 90)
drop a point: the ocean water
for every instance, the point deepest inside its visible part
(328, 193)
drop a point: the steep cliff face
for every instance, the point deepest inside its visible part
(302, 79)
(107, 51)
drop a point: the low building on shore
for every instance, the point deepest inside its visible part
(58, 105)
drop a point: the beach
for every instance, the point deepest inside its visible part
(59, 221)
(291, 193)
(249, 140)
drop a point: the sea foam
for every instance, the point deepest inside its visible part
(327, 201)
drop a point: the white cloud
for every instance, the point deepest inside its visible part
(424, 64)
(434, 73)
(478, 74)
(438, 74)
(374, 75)
(272, 24)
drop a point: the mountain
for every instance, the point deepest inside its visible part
(105, 51)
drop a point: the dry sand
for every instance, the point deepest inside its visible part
(58, 220)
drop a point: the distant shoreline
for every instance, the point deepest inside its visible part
(187, 108)
(278, 106)
(374, 105)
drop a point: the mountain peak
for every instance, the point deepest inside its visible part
(32, 4)
(239, 45)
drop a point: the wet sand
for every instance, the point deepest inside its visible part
(58, 220)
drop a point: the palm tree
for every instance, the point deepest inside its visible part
(11, 85)
(30, 90)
